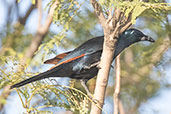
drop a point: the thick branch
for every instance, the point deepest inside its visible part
(102, 78)
(111, 33)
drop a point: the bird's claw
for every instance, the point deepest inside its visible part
(92, 65)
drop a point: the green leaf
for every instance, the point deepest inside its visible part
(137, 11)
(33, 1)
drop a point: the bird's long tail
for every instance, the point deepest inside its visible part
(32, 79)
(47, 74)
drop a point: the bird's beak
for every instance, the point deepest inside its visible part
(147, 38)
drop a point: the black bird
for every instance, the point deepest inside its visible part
(81, 63)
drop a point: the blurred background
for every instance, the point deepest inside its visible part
(146, 68)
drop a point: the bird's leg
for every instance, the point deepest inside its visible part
(95, 64)
(92, 65)
(83, 83)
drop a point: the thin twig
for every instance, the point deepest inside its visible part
(23, 19)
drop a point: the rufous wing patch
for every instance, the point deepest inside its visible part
(69, 60)
(56, 59)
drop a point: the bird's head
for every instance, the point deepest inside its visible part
(128, 38)
(135, 35)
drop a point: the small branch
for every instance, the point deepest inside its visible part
(121, 108)
(126, 26)
(22, 20)
(39, 7)
(110, 18)
(117, 86)
(117, 15)
(50, 16)
(99, 12)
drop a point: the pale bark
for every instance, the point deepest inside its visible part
(121, 108)
(112, 27)
(102, 79)
(117, 85)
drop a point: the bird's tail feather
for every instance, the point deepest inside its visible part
(47, 74)
(32, 79)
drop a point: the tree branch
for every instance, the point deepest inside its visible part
(102, 78)
(22, 20)
(117, 85)
(111, 33)
(41, 32)
(121, 108)
(39, 7)
(156, 56)
(99, 12)
(153, 59)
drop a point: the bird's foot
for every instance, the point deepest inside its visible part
(92, 65)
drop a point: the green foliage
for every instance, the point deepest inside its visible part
(46, 95)
(83, 30)
(65, 11)
(54, 96)
(62, 17)
(33, 1)
(48, 46)
(136, 7)
(15, 40)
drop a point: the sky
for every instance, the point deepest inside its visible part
(161, 104)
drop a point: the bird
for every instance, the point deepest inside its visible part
(82, 62)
